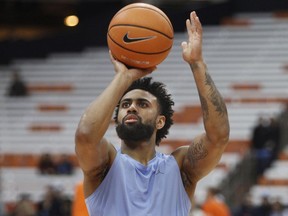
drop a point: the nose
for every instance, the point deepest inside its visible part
(132, 108)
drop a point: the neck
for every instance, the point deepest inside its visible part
(143, 152)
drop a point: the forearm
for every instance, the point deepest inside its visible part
(97, 116)
(214, 110)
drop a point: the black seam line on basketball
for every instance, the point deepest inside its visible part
(143, 28)
(126, 39)
(146, 53)
(147, 9)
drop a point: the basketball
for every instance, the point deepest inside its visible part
(140, 35)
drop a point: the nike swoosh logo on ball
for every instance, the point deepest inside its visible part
(127, 39)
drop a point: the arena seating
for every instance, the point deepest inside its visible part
(274, 181)
(246, 62)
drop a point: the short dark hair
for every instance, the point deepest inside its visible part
(164, 99)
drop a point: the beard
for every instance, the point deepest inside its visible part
(135, 132)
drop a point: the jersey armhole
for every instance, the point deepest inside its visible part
(106, 177)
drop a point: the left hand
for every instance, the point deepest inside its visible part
(192, 50)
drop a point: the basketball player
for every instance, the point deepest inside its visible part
(135, 180)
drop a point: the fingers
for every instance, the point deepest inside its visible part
(120, 66)
(112, 59)
(184, 45)
(189, 27)
(194, 24)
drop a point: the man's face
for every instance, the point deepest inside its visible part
(137, 116)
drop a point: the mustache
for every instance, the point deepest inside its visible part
(128, 116)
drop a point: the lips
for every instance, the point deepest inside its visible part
(130, 118)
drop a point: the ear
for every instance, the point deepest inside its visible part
(160, 122)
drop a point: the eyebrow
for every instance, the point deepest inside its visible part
(138, 99)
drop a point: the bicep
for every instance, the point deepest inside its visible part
(92, 156)
(200, 157)
(95, 161)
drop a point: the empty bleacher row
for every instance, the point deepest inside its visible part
(23, 180)
(246, 62)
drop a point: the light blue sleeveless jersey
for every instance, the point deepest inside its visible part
(132, 189)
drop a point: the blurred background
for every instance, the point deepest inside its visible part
(37, 27)
(54, 60)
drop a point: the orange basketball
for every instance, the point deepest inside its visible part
(140, 35)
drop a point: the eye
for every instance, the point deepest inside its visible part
(125, 104)
(143, 104)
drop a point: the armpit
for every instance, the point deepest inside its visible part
(97, 174)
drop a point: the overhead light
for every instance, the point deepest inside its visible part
(71, 21)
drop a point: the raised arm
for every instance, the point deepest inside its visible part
(205, 151)
(95, 154)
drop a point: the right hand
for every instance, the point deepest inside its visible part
(133, 73)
